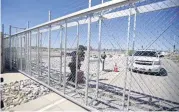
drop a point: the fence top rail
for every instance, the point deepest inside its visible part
(100, 7)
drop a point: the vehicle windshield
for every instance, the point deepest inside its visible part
(146, 53)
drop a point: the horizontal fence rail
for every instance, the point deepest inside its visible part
(141, 9)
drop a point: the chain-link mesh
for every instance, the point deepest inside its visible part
(119, 58)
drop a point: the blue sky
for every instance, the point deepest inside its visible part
(18, 12)
(149, 25)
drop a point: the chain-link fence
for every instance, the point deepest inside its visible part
(121, 55)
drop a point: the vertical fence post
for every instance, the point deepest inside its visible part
(88, 60)
(16, 52)
(21, 52)
(127, 52)
(131, 67)
(11, 52)
(13, 58)
(49, 47)
(38, 59)
(13, 66)
(89, 3)
(49, 15)
(11, 55)
(16, 36)
(134, 29)
(10, 49)
(99, 54)
(3, 50)
(28, 71)
(25, 57)
(30, 56)
(61, 53)
(27, 64)
(40, 53)
(88, 56)
(65, 48)
(24, 50)
(77, 47)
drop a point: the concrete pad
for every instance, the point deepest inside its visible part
(12, 77)
(41, 104)
(51, 106)
(61, 105)
(69, 106)
(32, 105)
(53, 97)
(54, 109)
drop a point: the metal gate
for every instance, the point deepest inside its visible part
(139, 37)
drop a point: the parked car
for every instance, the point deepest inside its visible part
(146, 61)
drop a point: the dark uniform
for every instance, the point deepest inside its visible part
(72, 64)
(103, 56)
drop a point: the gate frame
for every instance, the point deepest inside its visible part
(89, 11)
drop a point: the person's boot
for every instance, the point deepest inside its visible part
(2, 80)
(2, 104)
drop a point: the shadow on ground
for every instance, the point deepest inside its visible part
(162, 72)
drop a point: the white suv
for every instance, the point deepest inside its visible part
(146, 61)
